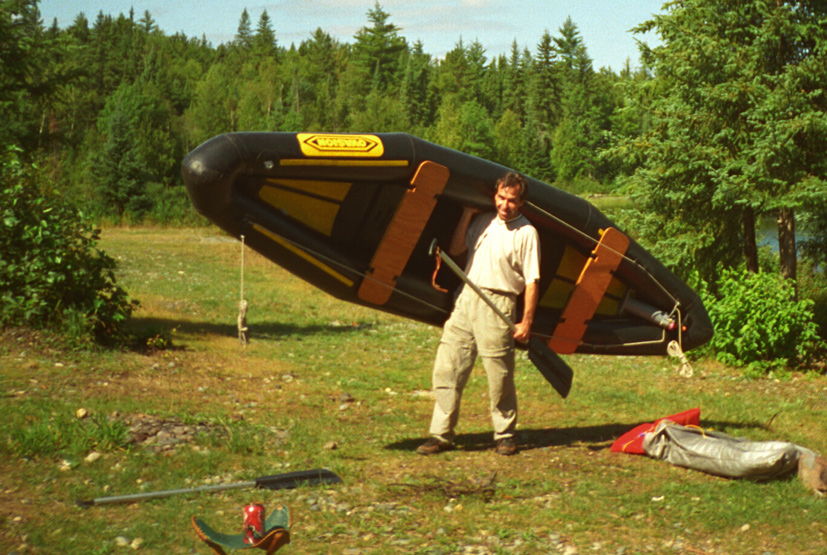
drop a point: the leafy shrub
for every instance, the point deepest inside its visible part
(51, 272)
(812, 284)
(759, 323)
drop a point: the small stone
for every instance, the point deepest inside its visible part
(65, 465)
(136, 543)
(81, 413)
(121, 541)
(745, 527)
(570, 550)
(331, 446)
(92, 457)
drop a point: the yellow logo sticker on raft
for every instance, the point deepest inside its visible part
(319, 144)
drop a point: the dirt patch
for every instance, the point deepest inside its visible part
(160, 434)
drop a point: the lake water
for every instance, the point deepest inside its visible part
(767, 233)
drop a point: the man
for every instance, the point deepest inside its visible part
(504, 261)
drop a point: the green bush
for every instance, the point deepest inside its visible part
(759, 323)
(812, 284)
(51, 272)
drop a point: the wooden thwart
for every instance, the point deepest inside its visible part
(592, 284)
(403, 233)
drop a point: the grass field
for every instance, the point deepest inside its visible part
(328, 384)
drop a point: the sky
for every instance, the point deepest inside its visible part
(604, 25)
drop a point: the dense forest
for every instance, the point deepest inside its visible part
(724, 124)
(118, 88)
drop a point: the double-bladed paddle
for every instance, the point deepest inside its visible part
(288, 480)
(553, 368)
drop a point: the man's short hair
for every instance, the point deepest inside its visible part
(514, 179)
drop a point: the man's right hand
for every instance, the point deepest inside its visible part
(458, 246)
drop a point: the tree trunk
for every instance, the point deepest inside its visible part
(750, 246)
(786, 244)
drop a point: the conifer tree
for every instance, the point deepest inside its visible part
(121, 177)
(378, 48)
(264, 39)
(244, 34)
(415, 87)
(23, 49)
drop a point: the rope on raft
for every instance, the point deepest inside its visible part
(242, 305)
(673, 349)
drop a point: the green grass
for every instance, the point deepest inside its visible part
(609, 203)
(280, 404)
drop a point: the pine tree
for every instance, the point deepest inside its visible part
(24, 48)
(244, 34)
(378, 49)
(415, 87)
(147, 24)
(121, 177)
(264, 40)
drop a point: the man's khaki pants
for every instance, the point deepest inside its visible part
(472, 329)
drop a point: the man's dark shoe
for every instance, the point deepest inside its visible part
(506, 446)
(434, 446)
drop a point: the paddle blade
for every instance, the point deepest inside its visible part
(292, 480)
(553, 368)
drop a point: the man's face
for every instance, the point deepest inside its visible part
(508, 203)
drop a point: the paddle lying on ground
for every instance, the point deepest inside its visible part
(551, 366)
(288, 480)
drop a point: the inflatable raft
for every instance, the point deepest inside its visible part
(355, 215)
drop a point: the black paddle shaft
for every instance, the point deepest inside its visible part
(288, 480)
(553, 368)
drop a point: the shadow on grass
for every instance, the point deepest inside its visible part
(257, 330)
(595, 438)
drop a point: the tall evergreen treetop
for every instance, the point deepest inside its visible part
(264, 40)
(379, 46)
(244, 35)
